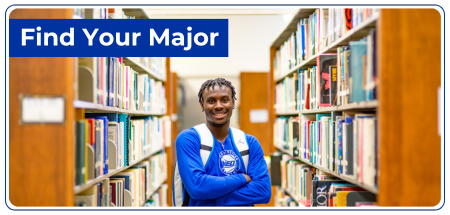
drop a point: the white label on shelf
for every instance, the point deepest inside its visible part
(42, 109)
(259, 116)
(439, 110)
(174, 117)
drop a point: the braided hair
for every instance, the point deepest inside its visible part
(211, 83)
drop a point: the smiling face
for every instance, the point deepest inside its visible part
(218, 105)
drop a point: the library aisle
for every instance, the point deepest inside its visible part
(112, 147)
(344, 104)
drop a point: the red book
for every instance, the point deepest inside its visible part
(307, 97)
(92, 124)
(113, 193)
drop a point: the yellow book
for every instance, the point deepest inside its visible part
(341, 197)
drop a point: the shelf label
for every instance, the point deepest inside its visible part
(40, 109)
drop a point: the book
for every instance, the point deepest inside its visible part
(357, 63)
(98, 147)
(346, 71)
(130, 185)
(123, 121)
(320, 191)
(348, 19)
(103, 141)
(332, 70)
(80, 152)
(113, 133)
(354, 197)
(348, 141)
(324, 61)
(295, 137)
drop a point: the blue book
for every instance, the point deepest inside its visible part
(99, 194)
(349, 145)
(339, 136)
(105, 142)
(303, 41)
(123, 119)
(357, 55)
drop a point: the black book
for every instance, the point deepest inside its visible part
(320, 191)
(296, 136)
(275, 169)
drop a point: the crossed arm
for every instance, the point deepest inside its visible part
(227, 190)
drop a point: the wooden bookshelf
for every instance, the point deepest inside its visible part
(300, 204)
(80, 188)
(42, 156)
(409, 148)
(361, 30)
(341, 176)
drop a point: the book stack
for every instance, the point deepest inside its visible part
(315, 34)
(287, 134)
(132, 187)
(342, 142)
(286, 94)
(298, 179)
(118, 85)
(117, 140)
(332, 192)
(348, 76)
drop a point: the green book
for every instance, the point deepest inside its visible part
(80, 148)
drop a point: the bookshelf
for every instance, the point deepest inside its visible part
(409, 165)
(42, 152)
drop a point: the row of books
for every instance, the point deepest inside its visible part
(132, 187)
(157, 65)
(343, 142)
(313, 187)
(158, 199)
(118, 85)
(316, 33)
(116, 140)
(337, 79)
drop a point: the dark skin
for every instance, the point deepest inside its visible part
(218, 106)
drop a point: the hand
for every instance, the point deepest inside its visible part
(247, 177)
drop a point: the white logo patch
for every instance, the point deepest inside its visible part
(228, 162)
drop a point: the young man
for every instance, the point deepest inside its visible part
(226, 173)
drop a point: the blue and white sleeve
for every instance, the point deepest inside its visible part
(258, 191)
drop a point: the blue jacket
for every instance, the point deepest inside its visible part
(220, 182)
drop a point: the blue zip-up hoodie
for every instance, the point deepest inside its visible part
(220, 182)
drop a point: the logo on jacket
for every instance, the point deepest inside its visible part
(228, 162)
